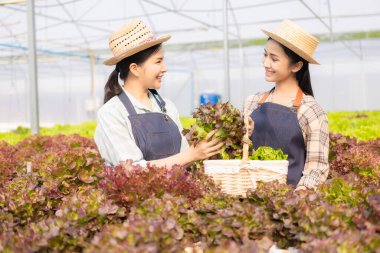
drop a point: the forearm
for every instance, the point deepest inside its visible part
(183, 158)
(311, 178)
(317, 152)
(316, 166)
(203, 150)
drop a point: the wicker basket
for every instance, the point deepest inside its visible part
(237, 176)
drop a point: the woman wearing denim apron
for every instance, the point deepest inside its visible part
(287, 116)
(136, 123)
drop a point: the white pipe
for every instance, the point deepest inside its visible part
(33, 78)
(226, 53)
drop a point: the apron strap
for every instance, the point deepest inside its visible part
(265, 96)
(131, 109)
(127, 103)
(297, 101)
(159, 99)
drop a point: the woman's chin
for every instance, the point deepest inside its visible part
(156, 86)
(268, 79)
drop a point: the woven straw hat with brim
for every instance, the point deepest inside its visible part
(296, 39)
(130, 39)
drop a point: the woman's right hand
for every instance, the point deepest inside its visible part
(205, 148)
(251, 126)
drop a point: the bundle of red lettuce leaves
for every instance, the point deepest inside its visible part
(229, 123)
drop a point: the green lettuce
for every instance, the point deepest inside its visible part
(268, 153)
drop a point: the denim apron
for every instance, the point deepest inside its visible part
(277, 126)
(156, 134)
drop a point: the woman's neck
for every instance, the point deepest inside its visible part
(287, 88)
(285, 92)
(136, 90)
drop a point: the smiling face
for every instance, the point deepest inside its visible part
(278, 67)
(152, 70)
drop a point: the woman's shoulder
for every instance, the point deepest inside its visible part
(255, 97)
(310, 101)
(112, 106)
(310, 107)
(252, 101)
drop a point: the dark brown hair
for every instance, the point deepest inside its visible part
(112, 87)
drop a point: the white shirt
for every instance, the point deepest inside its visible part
(113, 135)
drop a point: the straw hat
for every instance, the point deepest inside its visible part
(130, 39)
(296, 39)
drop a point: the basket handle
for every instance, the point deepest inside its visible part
(245, 159)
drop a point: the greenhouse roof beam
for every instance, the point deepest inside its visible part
(122, 18)
(16, 38)
(241, 7)
(88, 10)
(187, 16)
(330, 29)
(173, 5)
(74, 22)
(148, 17)
(316, 15)
(366, 15)
(62, 20)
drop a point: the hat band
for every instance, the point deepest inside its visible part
(149, 39)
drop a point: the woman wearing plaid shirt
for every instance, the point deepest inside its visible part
(287, 116)
(136, 123)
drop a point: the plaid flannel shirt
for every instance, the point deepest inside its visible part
(314, 125)
(113, 135)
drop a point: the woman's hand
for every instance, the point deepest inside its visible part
(251, 126)
(205, 148)
(301, 188)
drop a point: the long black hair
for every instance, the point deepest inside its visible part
(112, 87)
(303, 75)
